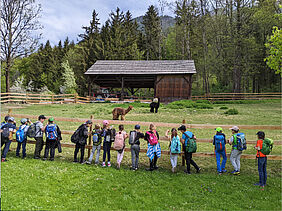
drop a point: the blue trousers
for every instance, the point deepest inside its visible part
(23, 144)
(6, 148)
(218, 154)
(262, 170)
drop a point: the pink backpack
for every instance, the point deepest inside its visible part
(153, 140)
(119, 140)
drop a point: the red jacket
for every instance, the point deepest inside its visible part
(259, 144)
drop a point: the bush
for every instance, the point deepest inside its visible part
(223, 107)
(232, 111)
(201, 104)
(203, 101)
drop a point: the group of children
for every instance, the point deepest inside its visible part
(108, 135)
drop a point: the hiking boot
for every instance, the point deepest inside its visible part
(44, 159)
(224, 171)
(198, 171)
(156, 167)
(232, 172)
(149, 169)
(75, 161)
(51, 159)
(187, 172)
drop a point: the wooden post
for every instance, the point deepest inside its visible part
(122, 89)
(52, 98)
(26, 97)
(75, 98)
(9, 112)
(90, 136)
(183, 121)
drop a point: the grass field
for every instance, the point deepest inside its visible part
(62, 185)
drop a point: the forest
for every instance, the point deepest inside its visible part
(229, 41)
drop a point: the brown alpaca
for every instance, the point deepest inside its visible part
(120, 112)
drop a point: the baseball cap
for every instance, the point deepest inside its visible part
(137, 127)
(106, 122)
(24, 120)
(51, 119)
(182, 127)
(12, 119)
(88, 122)
(41, 117)
(218, 129)
(235, 128)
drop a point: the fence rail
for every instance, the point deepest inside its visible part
(239, 96)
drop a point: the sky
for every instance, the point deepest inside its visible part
(65, 18)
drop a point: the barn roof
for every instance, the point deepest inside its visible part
(141, 67)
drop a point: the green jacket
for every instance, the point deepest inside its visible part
(234, 143)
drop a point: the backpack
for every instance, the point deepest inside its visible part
(5, 134)
(51, 132)
(31, 132)
(132, 137)
(96, 139)
(110, 137)
(241, 141)
(175, 146)
(119, 141)
(153, 140)
(76, 135)
(219, 143)
(20, 136)
(267, 146)
(190, 145)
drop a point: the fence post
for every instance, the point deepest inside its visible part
(9, 111)
(52, 98)
(183, 121)
(90, 136)
(75, 98)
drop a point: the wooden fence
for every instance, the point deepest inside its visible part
(162, 138)
(30, 98)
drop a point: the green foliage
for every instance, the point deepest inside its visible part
(246, 101)
(223, 107)
(201, 104)
(69, 79)
(232, 111)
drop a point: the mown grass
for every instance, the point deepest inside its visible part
(62, 185)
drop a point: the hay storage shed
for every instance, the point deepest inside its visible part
(170, 79)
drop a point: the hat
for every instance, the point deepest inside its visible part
(218, 129)
(106, 122)
(137, 127)
(41, 117)
(51, 119)
(234, 128)
(23, 121)
(11, 119)
(88, 122)
(182, 127)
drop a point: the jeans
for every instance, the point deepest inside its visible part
(188, 157)
(50, 144)
(6, 148)
(120, 156)
(94, 148)
(107, 151)
(235, 159)
(173, 160)
(218, 154)
(23, 144)
(82, 149)
(135, 149)
(262, 161)
(38, 146)
(153, 162)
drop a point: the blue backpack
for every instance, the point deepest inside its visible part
(219, 143)
(241, 141)
(175, 146)
(51, 132)
(20, 136)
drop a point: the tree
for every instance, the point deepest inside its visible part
(19, 20)
(69, 79)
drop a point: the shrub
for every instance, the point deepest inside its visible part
(232, 111)
(223, 107)
(190, 104)
(202, 106)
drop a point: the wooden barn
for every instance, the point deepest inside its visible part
(170, 79)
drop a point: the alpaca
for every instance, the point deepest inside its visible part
(120, 112)
(155, 104)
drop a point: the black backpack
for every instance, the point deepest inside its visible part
(5, 135)
(76, 135)
(31, 131)
(132, 137)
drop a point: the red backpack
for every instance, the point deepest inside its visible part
(153, 140)
(119, 141)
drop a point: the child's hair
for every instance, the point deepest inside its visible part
(261, 135)
(97, 126)
(121, 127)
(173, 132)
(151, 126)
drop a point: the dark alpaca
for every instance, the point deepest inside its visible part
(155, 105)
(120, 112)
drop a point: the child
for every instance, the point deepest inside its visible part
(120, 137)
(24, 127)
(154, 148)
(134, 137)
(7, 131)
(219, 142)
(109, 134)
(262, 160)
(235, 153)
(97, 141)
(175, 147)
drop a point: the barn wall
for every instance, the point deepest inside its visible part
(173, 87)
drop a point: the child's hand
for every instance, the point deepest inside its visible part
(167, 131)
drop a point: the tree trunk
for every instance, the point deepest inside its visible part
(7, 75)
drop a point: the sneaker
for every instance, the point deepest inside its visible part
(51, 159)
(187, 172)
(156, 167)
(88, 162)
(198, 171)
(36, 158)
(219, 173)
(17, 156)
(257, 184)
(44, 159)
(75, 161)
(4, 160)
(109, 164)
(236, 173)
(224, 171)
(103, 164)
(118, 165)
(149, 169)
(96, 163)
(172, 170)
(232, 172)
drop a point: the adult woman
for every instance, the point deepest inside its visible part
(154, 149)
